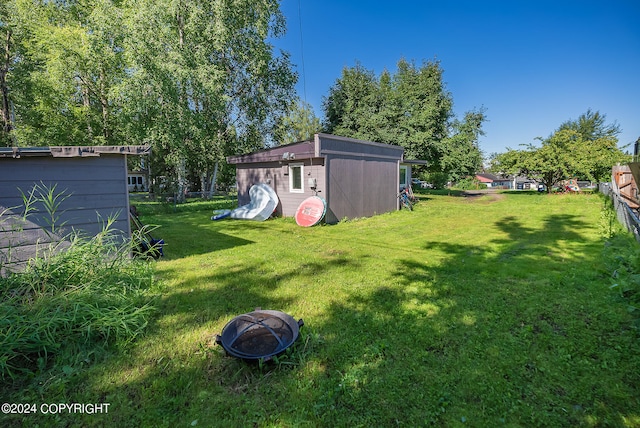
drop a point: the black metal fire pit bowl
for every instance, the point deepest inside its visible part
(259, 335)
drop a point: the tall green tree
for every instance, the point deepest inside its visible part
(460, 154)
(592, 125)
(8, 53)
(425, 109)
(410, 108)
(71, 60)
(585, 149)
(600, 151)
(350, 103)
(205, 80)
(299, 125)
(196, 79)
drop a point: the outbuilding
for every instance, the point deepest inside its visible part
(356, 178)
(83, 186)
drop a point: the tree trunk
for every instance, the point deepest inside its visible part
(86, 102)
(104, 104)
(182, 180)
(182, 162)
(203, 186)
(6, 113)
(214, 178)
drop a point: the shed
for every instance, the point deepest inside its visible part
(356, 178)
(89, 182)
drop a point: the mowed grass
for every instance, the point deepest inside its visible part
(487, 311)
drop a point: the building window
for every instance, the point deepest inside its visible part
(295, 177)
(403, 176)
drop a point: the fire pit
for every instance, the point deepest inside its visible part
(259, 335)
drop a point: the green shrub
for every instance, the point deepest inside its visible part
(439, 180)
(468, 183)
(622, 258)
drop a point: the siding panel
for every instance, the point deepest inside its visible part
(275, 174)
(96, 188)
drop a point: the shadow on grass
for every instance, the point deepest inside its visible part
(486, 338)
(201, 301)
(205, 235)
(483, 336)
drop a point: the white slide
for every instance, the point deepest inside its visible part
(263, 202)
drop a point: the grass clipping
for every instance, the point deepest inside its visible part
(67, 306)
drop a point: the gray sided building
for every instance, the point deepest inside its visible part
(356, 178)
(90, 183)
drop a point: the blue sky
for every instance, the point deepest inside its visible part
(532, 64)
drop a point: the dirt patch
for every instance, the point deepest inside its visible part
(486, 196)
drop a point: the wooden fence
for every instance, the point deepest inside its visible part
(626, 216)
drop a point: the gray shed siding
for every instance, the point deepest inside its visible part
(360, 187)
(275, 174)
(96, 188)
(362, 177)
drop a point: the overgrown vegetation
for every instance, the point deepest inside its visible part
(493, 310)
(72, 304)
(622, 261)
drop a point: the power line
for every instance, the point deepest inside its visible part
(304, 80)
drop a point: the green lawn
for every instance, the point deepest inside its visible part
(488, 311)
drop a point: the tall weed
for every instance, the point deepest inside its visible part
(72, 301)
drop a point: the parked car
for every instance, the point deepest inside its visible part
(422, 184)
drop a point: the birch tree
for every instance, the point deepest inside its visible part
(7, 55)
(205, 80)
(299, 125)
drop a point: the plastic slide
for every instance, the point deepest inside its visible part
(263, 202)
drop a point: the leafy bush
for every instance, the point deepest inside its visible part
(622, 257)
(439, 180)
(468, 183)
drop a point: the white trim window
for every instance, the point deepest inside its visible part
(404, 176)
(296, 172)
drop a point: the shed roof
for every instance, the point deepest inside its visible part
(487, 178)
(72, 151)
(314, 149)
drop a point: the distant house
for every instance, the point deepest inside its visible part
(90, 183)
(494, 181)
(137, 181)
(356, 178)
(138, 175)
